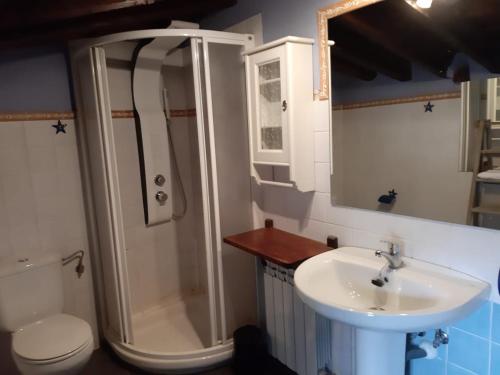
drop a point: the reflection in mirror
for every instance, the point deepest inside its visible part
(416, 120)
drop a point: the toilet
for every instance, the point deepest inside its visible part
(44, 339)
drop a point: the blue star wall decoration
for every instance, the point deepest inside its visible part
(60, 127)
(428, 107)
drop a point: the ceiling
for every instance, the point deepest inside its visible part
(388, 37)
(26, 23)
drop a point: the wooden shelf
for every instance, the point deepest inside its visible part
(491, 151)
(277, 246)
(486, 210)
(488, 180)
(495, 125)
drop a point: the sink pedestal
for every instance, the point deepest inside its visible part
(380, 352)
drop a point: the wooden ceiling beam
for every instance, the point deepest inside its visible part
(350, 68)
(401, 71)
(22, 14)
(354, 47)
(82, 29)
(157, 15)
(471, 26)
(392, 25)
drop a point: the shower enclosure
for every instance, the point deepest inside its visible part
(163, 138)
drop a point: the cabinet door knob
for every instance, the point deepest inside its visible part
(284, 105)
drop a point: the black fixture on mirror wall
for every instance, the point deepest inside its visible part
(389, 198)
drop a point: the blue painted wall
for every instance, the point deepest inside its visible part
(35, 80)
(279, 18)
(298, 17)
(351, 90)
(39, 79)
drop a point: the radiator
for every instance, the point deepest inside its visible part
(297, 336)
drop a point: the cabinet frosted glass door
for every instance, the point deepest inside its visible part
(270, 134)
(271, 131)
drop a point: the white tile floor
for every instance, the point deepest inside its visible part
(175, 326)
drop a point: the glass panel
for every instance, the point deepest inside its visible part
(270, 106)
(229, 114)
(269, 71)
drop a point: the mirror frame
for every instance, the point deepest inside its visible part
(323, 15)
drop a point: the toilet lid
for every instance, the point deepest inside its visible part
(52, 337)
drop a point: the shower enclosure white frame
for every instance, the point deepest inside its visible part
(90, 77)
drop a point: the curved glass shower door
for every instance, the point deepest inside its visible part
(172, 292)
(169, 276)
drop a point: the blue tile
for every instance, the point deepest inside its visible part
(468, 351)
(427, 367)
(495, 332)
(495, 359)
(454, 370)
(478, 322)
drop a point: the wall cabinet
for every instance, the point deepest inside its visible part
(280, 107)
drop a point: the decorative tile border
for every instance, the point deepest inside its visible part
(323, 15)
(122, 114)
(45, 116)
(411, 99)
(36, 116)
(191, 112)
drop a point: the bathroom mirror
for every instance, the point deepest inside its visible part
(415, 96)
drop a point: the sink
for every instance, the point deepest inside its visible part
(418, 297)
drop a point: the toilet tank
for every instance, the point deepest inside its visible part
(30, 289)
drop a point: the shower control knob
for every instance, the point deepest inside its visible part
(160, 180)
(161, 197)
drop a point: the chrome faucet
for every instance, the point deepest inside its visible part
(393, 256)
(394, 260)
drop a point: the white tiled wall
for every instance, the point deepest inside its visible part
(164, 262)
(41, 203)
(378, 148)
(475, 251)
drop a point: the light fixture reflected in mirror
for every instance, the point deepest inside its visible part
(425, 4)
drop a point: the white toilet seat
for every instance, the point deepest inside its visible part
(57, 343)
(58, 359)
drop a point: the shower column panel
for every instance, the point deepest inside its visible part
(154, 146)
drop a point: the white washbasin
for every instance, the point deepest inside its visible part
(418, 297)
